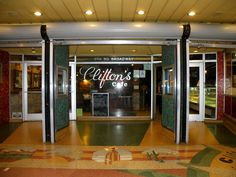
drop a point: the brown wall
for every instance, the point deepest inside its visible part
(4, 87)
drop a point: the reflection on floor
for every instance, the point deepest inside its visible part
(30, 133)
(6, 129)
(108, 133)
(222, 134)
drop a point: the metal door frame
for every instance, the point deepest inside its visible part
(26, 115)
(200, 116)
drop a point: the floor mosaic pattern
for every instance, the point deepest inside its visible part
(132, 161)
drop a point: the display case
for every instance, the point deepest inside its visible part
(210, 100)
(210, 97)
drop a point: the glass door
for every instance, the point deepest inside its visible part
(32, 92)
(72, 90)
(196, 94)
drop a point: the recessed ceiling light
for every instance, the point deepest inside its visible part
(133, 50)
(91, 50)
(37, 13)
(138, 25)
(88, 12)
(141, 12)
(191, 13)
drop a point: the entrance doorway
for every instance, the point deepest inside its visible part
(32, 100)
(26, 87)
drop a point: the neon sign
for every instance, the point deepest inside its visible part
(92, 73)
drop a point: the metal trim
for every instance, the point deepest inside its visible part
(43, 93)
(113, 62)
(22, 44)
(211, 45)
(178, 94)
(51, 74)
(187, 99)
(113, 42)
(152, 89)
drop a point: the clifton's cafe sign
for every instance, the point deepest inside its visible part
(95, 74)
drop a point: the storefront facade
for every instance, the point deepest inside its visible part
(122, 86)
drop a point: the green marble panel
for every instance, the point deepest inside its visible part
(168, 101)
(61, 106)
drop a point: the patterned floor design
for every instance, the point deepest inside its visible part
(72, 161)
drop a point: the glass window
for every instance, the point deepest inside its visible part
(32, 57)
(196, 57)
(210, 89)
(16, 57)
(16, 90)
(34, 77)
(128, 87)
(194, 91)
(211, 56)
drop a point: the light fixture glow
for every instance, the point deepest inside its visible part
(141, 12)
(119, 85)
(37, 13)
(88, 12)
(138, 25)
(195, 51)
(91, 50)
(191, 13)
(133, 50)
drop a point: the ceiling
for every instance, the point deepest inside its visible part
(207, 11)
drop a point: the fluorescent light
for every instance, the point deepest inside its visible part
(191, 13)
(89, 12)
(141, 12)
(37, 13)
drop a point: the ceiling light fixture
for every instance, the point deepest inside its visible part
(191, 13)
(133, 50)
(88, 12)
(37, 13)
(91, 50)
(141, 12)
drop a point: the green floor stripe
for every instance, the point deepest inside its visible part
(149, 173)
(222, 134)
(7, 129)
(205, 157)
(194, 172)
(112, 133)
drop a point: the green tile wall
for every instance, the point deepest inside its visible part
(168, 101)
(61, 55)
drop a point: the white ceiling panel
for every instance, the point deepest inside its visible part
(101, 9)
(129, 10)
(115, 9)
(169, 9)
(74, 9)
(155, 10)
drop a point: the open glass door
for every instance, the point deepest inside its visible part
(32, 92)
(196, 94)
